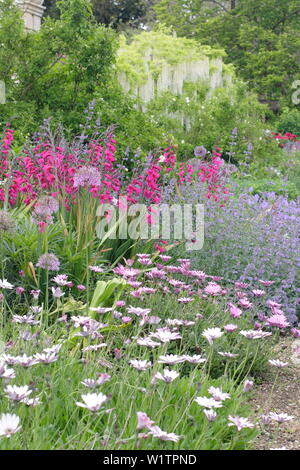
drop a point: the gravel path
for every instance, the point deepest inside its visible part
(285, 398)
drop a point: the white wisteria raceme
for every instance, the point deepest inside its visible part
(155, 431)
(167, 376)
(211, 334)
(208, 402)
(140, 364)
(9, 424)
(17, 393)
(93, 401)
(240, 422)
(4, 284)
(217, 394)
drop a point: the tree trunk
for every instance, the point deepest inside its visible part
(232, 4)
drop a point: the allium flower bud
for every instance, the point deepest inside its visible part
(7, 224)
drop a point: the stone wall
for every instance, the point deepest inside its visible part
(33, 12)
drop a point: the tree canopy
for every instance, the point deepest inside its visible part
(116, 13)
(261, 37)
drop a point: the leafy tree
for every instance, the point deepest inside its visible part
(119, 14)
(261, 37)
(51, 8)
(55, 71)
(12, 35)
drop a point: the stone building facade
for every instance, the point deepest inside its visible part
(33, 12)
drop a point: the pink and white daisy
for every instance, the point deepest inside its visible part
(125, 272)
(228, 355)
(211, 334)
(279, 321)
(89, 383)
(195, 359)
(258, 292)
(171, 359)
(245, 303)
(25, 319)
(4, 284)
(143, 420)
(167, 376)
(46, 358)
(266, 283)
(17, 393)
(255, 334)
(93, 401)
(148, 342)
(96, 269)
(25, 361)
(140, 364)
(248, 384)
(185, 300)
(61, 280)
(6, 373)
(280, 417)
(9, 424)
(213, 289)
(102, 378)
(208, 402)
(230, 327)
(165, 335)
(278, 363)
(33, 402)
(235, 312)
(155, 431)
(138, 311)
(240, 422)
(210, 414)
(217, 394)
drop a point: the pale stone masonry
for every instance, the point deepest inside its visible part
(33, 12)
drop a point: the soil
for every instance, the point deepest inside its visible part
(285, 398)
